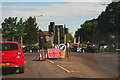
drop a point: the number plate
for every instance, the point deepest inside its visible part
(2, 64)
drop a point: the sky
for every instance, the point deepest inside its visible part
(69, 12)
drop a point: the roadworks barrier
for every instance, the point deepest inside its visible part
(54, 53)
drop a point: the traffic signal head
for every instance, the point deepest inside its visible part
(66, 30)
(41, 41)
(51, 30)
(41, 37)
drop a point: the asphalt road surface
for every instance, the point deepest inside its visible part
(77, 65)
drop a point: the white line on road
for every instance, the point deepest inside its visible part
(52, 62)
(63, 68)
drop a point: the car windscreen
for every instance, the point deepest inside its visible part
(8, 46)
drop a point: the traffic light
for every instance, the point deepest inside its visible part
(52, 28)
(41, 41)
(66, 30)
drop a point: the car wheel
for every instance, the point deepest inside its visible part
(21, 69)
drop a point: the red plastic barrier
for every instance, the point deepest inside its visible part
(54, 53)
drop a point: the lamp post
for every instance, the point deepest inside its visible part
(21, 39)
(38, 32)
(58, 36)
(52, 41)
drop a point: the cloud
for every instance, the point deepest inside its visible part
(0, 14)
(69, 10)
(72, 14)
(56, 0)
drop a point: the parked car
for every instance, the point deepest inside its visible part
(12, 56)
(32, 48)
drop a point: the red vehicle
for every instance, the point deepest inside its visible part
(11, 56)
(75, 45)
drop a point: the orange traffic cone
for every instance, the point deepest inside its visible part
(46, 57)
(40, 57)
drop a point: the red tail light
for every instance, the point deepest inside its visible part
(19, 53)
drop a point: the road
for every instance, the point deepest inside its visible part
(77, 65)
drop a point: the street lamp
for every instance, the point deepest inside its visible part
(38, 31)
(21, 40)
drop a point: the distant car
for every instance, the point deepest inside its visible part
(12, 56)
(28, 48)
(75, 45)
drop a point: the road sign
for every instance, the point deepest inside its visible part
(62, 47)
(79, 49)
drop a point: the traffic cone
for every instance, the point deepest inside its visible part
(46, 57)
(40, 57)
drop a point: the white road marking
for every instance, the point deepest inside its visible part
(75, 71)
(63, 68)
(52, 62)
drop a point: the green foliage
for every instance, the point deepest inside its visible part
(31, 31)
(9, 27)
(102, 29)
(69, 38)
(108, 20)
(20, 29)
(87, 30)
(13, 29)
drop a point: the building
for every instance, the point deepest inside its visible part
(57, 31)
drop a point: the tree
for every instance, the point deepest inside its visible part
(31, 30)
(9, 28)
(101, 29)
(69, 38)
(104, 29)
(13, 30)
(20, 29)
(87, 32)
(108, 22)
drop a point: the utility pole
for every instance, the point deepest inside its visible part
(58, 36)
(52, 36)
(65, 39)
(65, 34)
(74, 39)
(78, 39)
(13, 38)
(52, 40)
(21, 42)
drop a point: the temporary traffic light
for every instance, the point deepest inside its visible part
(52, 28)
(66, 30)
(41, 41)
